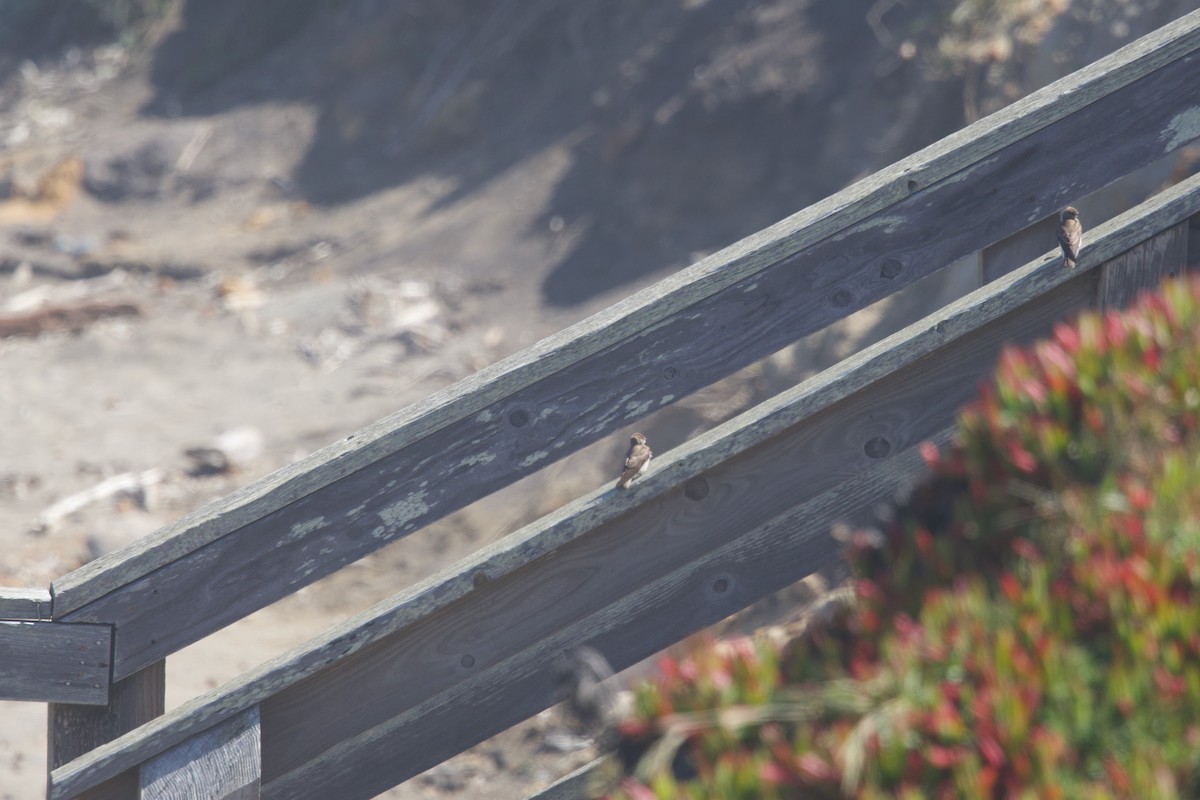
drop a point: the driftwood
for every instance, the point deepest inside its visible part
(126, 482)
(64, 318)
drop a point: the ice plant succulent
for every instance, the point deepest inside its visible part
(1027, 621)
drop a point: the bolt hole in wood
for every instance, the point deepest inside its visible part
(518, 418)
(696, 489)
(467, 661)
(720, 585)
(670, 372)
(877, 447)
(891, 268)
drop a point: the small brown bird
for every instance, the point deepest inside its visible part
(636, 460)
(1070, 236)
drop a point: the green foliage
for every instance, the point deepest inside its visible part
(1027, 625)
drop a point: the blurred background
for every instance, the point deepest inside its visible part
(231, 233)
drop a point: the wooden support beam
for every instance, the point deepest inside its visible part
(75, 730)
(49, 662)
(1144, 267)
(25, 604)
(684, 333)
(222, 763)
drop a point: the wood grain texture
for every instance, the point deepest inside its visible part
(25, 604)
(1041, 289)
(582, 401)
(939, 162)
(222, 763)
(48, 662)
(1144, 267)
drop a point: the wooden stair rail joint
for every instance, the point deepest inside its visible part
(729, 516)
(751, 299)
(31, 605)
(43, 662)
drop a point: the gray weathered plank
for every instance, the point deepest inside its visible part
(222, 763)
(636, 625)
(936, 163)
(631, 627)
(25, 604)
(1041, 283)
(1144, 267)
(49, 662)
(640, 371)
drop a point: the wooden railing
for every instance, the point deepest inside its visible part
(717, 523)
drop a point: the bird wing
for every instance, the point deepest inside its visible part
(1070, 236)
(635, 461)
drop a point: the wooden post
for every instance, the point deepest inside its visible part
(222, 763)
(1143, 267)
(76, 729)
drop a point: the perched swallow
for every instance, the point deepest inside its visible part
(1070, 236)
(636, 460)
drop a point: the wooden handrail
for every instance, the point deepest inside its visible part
(720, 521)
(975, 187)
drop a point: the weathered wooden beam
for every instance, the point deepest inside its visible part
(222, 763)
(77, 730)
(48, 662)
(1144, 267)
(686, 332)
(874, 404)
(627, 629)
(25, 604)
